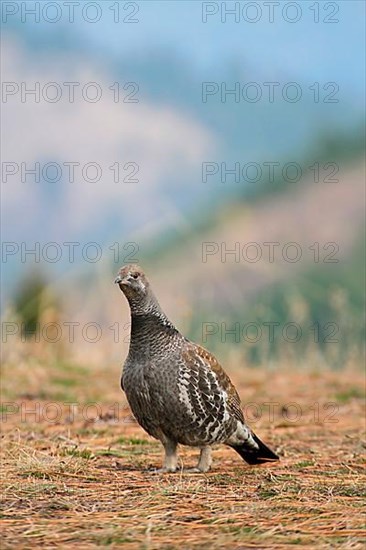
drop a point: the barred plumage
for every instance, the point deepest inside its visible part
(177, 390)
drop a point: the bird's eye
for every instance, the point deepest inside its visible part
(134, 275)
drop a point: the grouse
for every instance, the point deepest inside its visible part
(176, 389)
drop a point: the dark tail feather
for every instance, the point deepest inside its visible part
(255, 456)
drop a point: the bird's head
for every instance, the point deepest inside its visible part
(133, 282)
(135, 286)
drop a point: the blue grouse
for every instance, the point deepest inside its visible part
(176, 389)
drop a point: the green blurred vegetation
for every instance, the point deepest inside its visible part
(32, 302)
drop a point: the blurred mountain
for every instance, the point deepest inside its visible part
(221, 271)
(170, 132)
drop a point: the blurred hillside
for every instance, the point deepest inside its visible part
(323, 289)
(208, 283)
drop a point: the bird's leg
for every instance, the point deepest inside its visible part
(205, 460)
(170, 459)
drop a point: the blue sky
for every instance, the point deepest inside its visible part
(303, 50)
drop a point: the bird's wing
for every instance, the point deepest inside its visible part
(212, 379)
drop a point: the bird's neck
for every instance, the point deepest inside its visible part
(154, 321)
(151, 330)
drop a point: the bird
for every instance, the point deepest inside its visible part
(177, 390)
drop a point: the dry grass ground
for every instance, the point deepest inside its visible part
(85, 480)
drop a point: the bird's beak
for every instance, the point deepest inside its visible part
(118, 279)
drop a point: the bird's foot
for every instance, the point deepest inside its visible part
(164, 470)
(195, 470)
(205, 461)
(198, 469)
